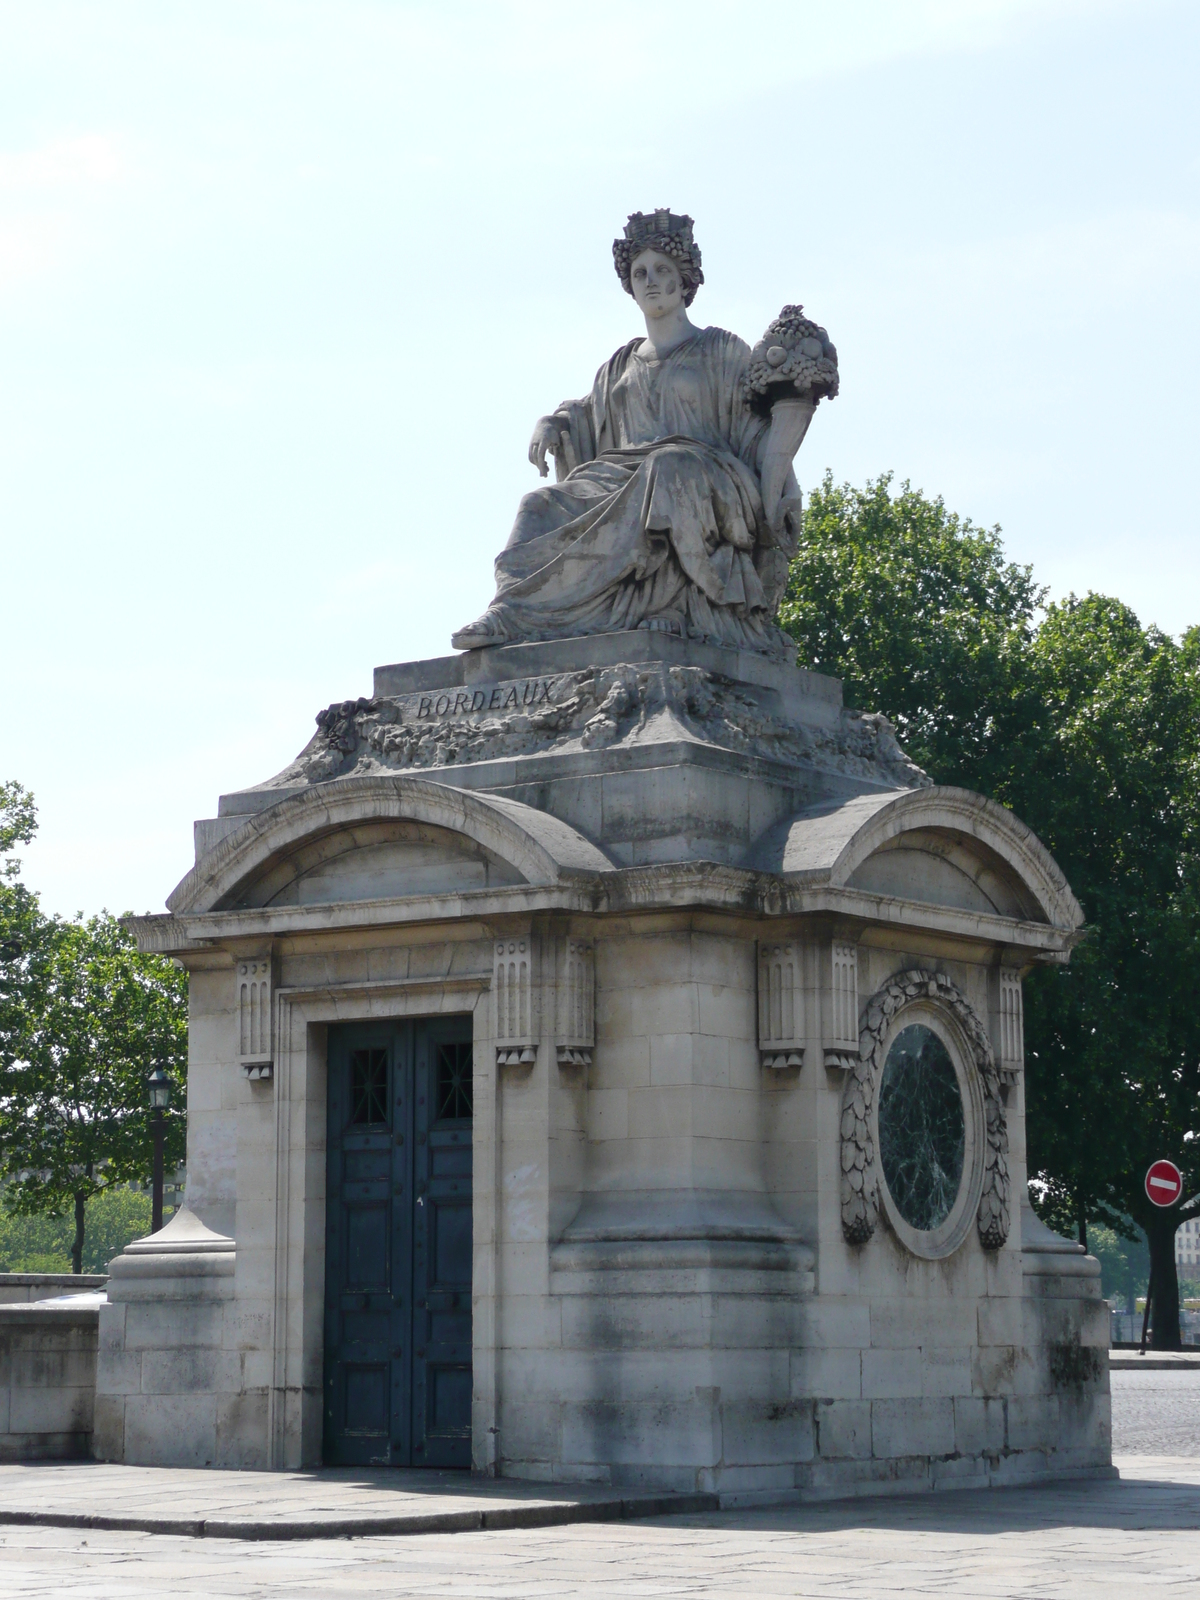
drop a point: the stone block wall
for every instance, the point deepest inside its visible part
(22, 1288)
(1026, 1398)
(726, 1391)
(47, 1381)
(637, 1364)
(172, 1390)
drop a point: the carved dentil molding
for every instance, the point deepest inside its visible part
(860, 1167)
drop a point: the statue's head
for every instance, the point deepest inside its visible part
(661, 234)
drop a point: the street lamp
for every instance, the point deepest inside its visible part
(159, 1086)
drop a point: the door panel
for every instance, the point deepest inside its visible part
(451, 1230)
(398, 1244)
(442, 1251)
(366, 1391)
(366, 1247)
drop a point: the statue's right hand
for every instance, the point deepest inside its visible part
(546, 438)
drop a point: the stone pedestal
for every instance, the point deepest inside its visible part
(688, 903)
(172, 1385)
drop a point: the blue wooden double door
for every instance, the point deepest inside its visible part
(398, 1244)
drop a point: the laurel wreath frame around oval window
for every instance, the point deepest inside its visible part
(933, 999)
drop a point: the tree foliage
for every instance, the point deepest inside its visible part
(43, 1244)
(1114, 1079)
(1087, 724)
(920, 615)
(18, 824)
(1124, 1263)
(84, 1018)
(21, 922)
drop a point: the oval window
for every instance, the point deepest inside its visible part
(922, 1128)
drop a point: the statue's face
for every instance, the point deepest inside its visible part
(656, 283)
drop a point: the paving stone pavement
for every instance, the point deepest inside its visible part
(1099, 1540)
(1102, 1540)
(1156, 1413)
(339, 1502)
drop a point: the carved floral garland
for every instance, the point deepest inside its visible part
(860, 1173)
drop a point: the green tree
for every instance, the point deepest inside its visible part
(22, 930)
(18, 824)
(1114, 1039)
(84, 1017)
(1124, 1262)
(1088, 726)
(920, 615)
(43, 1244)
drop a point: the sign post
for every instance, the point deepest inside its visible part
(1164, 1188)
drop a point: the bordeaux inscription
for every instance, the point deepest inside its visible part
(522, 695)
(590, 709)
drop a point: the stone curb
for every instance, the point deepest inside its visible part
(1153, 1361)
(477, 1520)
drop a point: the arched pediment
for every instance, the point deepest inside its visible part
(374, 861)
(938, 846)
(382, 837)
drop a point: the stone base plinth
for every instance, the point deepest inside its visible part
(686, 903)
(171, 1373)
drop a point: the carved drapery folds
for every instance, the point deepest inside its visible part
(781, 1030)
(860, 1169)
(544, 981)
(254, 990)
(842, 1049)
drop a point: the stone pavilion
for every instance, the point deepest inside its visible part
(606, 1048)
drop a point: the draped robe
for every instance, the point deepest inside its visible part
(657, 516)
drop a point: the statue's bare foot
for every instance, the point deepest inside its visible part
(478, 635)
(662, 625)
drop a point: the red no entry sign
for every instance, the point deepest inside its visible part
(1164, 1183)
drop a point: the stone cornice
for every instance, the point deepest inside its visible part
(664, 887)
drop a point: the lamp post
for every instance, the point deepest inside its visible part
(159, 1086)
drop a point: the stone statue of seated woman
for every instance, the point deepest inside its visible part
(675, 505)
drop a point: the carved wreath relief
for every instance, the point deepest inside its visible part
(860, 1165)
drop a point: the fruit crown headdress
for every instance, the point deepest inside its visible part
(660, 230)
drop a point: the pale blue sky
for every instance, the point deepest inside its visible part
(284, 286)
